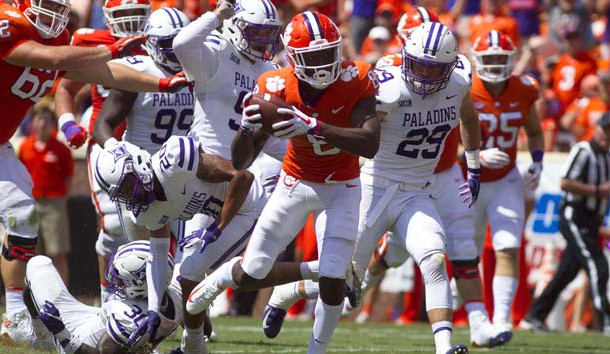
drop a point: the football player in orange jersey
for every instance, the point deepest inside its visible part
(412, 18)
(124, 18)
(593, 108)
(504, 103)
(33, 43)
(328, 129)
(493, 17)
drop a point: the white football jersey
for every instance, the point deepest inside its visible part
(219, 98)
(156, 116)
(414, 130)
(175, 166)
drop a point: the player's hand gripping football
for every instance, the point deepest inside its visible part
(207, 236)
(174, 83)
(251, 117)
(125, 46)
(75, 134)
(150, 325)
(49, 315)
(299, 124)
(469, 191)
(494, 158)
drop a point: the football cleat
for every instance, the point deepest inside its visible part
(500, 339)
(458, 349)
(273, 318)
(487, 335)
(203, 295)
(17, 326)
(533, 324)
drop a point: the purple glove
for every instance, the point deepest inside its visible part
(469, 191)
(150, 325)
(206, 236)
(51, 318)
(75, 134)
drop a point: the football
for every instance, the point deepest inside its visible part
(268, 107)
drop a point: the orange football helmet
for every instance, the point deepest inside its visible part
(414, 17)
(126, 17)
(313, 47)
(494, 55)
(50, 17)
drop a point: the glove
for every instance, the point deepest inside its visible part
(174, 83)
(469, 191)
(124, 46)
(531, 177)
(75, 134)
(494, 158)
(206, 236)
(250, 116)
(51, 318)
(150, 325)
(299, 124)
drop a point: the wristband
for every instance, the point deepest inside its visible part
(472, 158)
(110, 143)
(537, 155)
(65, 118)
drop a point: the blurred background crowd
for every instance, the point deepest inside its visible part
(564, 44)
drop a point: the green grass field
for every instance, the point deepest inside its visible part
(244, 335)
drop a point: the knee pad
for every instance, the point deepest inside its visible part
(19, 248)
(468, 269)
(433, 268)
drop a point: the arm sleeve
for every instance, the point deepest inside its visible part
(197, 58)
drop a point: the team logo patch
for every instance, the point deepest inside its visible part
(404, 103)
(275, 84)
(289, 181)
(139, 273)
(118, 152)
(349, 73)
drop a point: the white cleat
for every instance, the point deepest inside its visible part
(487, 335)
(203, 295)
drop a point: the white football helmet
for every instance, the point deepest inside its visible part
(126, 273)
(494, 54)
(126, 17)
(254, 29)
(161, 28)
(429, 57)
(50, 17)
(124, 172)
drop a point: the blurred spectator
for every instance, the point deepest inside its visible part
(494, 16)
(50, 164)
(380, 38)
(603, 7)
(583, 114)
(386, 17)
(586, 187)
(361, 21)
(526, 14)
(570, 13)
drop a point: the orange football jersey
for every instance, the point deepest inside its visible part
(481, 24)
(449, 154)
(567, 76)
(589, 115)
(307, 157)
(502, 117)
(21, 87)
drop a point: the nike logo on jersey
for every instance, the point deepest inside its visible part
(513, 104)
(450, 97)
(337, 110)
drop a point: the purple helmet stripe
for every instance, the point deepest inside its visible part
(171, 17)
(143, 249)
(266, 8)
(426, 49)
(423, 14)
(191, 153)
(439, 34)
(313, 25)
(273, 13)
(241, 240)
(317, 19)
(177, 16)
(181, 158)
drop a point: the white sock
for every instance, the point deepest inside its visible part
(442, 336)
(223, 276)
(192, 340)
(370, 281)
(327, 318)
(310, 270)
(312, 290)
(156, 271)
(504, 289)
(285, 295)
(14, 300)
(476, 313)
(104, 293)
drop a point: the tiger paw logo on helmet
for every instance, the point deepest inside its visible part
(349, 73)
(275, 84)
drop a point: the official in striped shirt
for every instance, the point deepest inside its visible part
(586, 186)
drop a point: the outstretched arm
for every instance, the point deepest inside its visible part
(64, 58)
(246, 147)
(114, 110)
